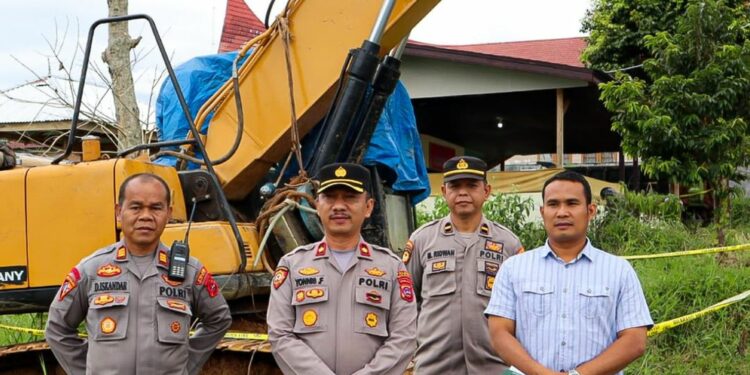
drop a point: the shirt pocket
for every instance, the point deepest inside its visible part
(310, 307)
(440, 277)
(173, 320)
(486, 272)
(537, 298)
(595, 301)
(108, 315)
(371, 311)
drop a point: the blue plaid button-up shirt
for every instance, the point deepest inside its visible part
(568, 313)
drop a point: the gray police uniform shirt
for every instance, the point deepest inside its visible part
(453, 279)
(136, 324)
(325, 321)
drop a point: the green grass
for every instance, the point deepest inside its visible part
(9, 337)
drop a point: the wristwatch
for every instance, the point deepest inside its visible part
(573, 372)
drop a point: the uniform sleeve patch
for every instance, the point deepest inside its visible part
(408, 248)
(211, 286)
(70, 283)
(521, 250)
(406, 286)
(280, 276)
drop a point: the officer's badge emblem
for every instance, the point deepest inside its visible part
(315, 293)
(108, 270)
(371, 319)
(364, 250)
(309, 317)
(462, 164)
(406, 286)
(201, 276)
(280, 276)
(340, 172)
(489, 281)
(175, 326)
(374, 297)
(375, 271)
(108, 325)
(170, 282)
(439, 266)
(308, 271)
(175, 304)
(300, 296)
(493, 246)
(70, 283)
(104, 299)
(122, 253)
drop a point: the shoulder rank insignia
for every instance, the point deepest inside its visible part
(315, 293)
(375, 271)
(321, 250)
(309, 317)
(163, 258)
(201, 276)
(406, 286)
(364, 250)
(108, 325)
(108, 270)
(122, 253)
(103, 299)
(493, 246)
(371, 319)
(280, 276)
(484, 229)
(308, 271)
(408, 248)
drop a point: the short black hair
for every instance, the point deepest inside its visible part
(143, 176)
(573, 177)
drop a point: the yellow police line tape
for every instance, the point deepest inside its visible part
(690, 252)
(663, 326)
(228, 335)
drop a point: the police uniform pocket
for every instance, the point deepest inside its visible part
(594, 300)
(309, 306)
(173, 320)
(486, 272)
(108, 313)
(537, 298)
(440, 278)
(371, 311)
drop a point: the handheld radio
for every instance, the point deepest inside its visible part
(179, 253)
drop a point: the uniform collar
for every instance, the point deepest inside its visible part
(363, 249)
(587, 252)
(448, 229)
(161, 259)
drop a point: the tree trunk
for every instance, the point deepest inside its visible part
(117, 58)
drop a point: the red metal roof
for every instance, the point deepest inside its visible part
(240, 25)
(565, 51)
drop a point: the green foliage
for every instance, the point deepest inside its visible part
(616, 30)
(8, 337)
(690, 125)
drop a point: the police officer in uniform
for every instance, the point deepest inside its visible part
(342, 306)
(137, 318)
(454, 261)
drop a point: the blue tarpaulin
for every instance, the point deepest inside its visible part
(395, 143)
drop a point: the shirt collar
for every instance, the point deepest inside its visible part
(587, 252)
(448, 229)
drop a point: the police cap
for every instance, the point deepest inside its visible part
(459, 167)
(352, 176)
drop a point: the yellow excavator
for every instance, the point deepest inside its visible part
(244, 216)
